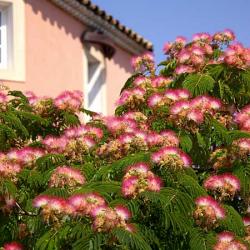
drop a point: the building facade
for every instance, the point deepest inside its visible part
(47, 46)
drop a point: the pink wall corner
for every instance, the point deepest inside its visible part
(54, 53)
(118, 71)
(54, 49)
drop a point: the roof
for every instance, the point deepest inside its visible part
(116, 23)
(93, 16)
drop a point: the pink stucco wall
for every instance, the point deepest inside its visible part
(54, 54)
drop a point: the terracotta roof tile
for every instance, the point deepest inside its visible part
(111, 20)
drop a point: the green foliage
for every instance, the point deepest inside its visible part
(199, 84)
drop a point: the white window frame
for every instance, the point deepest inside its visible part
(94, 54)
(12, 67)
(4, 32)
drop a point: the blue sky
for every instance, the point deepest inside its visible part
(162, 20)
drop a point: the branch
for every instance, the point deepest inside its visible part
(24, 212)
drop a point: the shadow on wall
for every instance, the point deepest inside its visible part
(59, 18)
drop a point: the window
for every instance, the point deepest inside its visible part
(12, 40)
(95, 74)
(4, 30)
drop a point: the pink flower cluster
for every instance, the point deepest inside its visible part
(195, 109)
(7, 203)
(192, 56)
(243, 118)
(242, 148)
(139, 178)
(69, 100)
(83, 130)
(224, 36)
(237, 55)
(92, 205)
(208, 211)
(66, 176)
(106, 218)
(15, 160)
(75, 142)
(227, 241)
(53, 208)
(225, 185)
(172, 158)
(132, 97)
(136, 139)
(13, 246)
(144, 62)
(152, 82)
(168, 97)
(3, 100)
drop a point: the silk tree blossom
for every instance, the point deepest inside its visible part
(84, 204)
(224, 36)
(13, 246)
(170, 138)
(156, 100)
(143, 62)
(194, 110)
(206, 103)
(167, 47)
(242, 147)
(66, 176)
(138, 178)
(12, 162)
(224, 186)
(7, 203)
(119, 125)
(161, 81)
(70, 100)
(142, 81)
(243, 118)
(105, 218)
(184, 56)
(226, 241)
(81, 131)
(172, 158)
(177, 94)
(182, 69)
(202, 37)
(132, 97)
(138, 117)
(53, 208)
(25, 155)
(207, 213)
(73, 148)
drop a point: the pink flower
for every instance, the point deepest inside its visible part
(180, 40)
(41, 201)
(202, 37)
(154, 183)
(123, 212)
(195, 115)
(183, 69)
(155, 99)
(208, 201)
(179, 106)
(161, 81)
(66, 176)
(142, 80)
(13, 246)
(167, 47)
